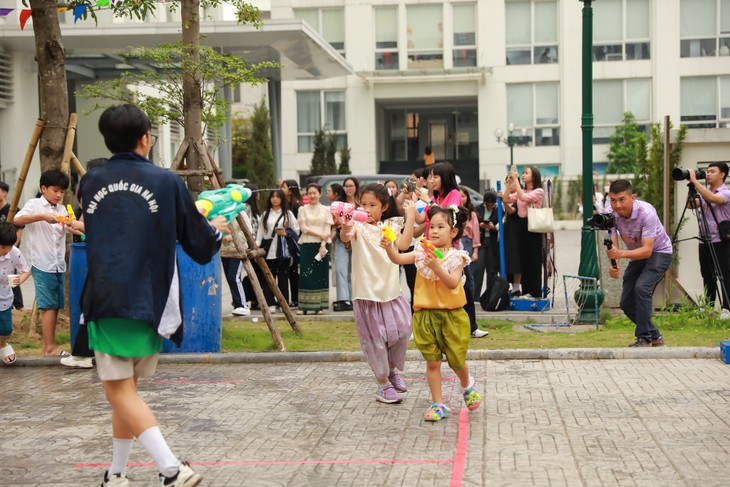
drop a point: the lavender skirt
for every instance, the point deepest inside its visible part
(383, 329)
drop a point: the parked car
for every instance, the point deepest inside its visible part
(328, 180)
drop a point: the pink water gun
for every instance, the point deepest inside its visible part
(345, 212)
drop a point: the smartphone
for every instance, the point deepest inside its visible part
(279, 228)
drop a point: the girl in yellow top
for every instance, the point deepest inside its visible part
(440, 324)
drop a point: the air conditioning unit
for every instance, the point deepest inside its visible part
(6, 79)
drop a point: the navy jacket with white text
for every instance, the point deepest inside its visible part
(134, 213)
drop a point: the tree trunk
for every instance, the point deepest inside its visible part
(192, 90)
(50, 57)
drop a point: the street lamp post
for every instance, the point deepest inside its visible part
(589, 293)
(511, 140)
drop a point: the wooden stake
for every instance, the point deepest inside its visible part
(68, 147)
(77, 165)
(208, 161)
(34, 138)
(180, 155)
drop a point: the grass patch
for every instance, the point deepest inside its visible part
(681, 327)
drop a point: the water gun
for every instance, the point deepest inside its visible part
(388, 233)
(64, 219)
(345, 212)
(431, 248)
(227, 202)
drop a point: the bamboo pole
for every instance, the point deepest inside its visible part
(32, 145)
(180, 155)
(77, 165)
(68, 147)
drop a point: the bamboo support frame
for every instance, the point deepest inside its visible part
(32, 145)
(68, 147)
(260, 260)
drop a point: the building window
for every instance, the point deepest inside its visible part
(705, 102)
(532, 32)
(621, 30)
(612, 98)
(704, 28)
(425, 36)
(386, 38)
(328, 22)
(534, 108)
(465, 35)
(317, 110)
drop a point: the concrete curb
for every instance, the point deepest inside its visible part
(414, 355)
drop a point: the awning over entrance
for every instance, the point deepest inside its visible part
(92, 51)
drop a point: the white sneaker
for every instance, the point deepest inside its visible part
(725, 314)
(185, 477)
(80, 362)
(479, 333)
(272, 309)
(240, 311)
(116, 480)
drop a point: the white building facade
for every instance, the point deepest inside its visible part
(447, 74)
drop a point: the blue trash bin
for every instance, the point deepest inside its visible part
(201, 298)
(202, 305)
(77, 270)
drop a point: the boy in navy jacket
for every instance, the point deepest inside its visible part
(134, 212)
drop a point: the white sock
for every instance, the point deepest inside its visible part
(471, 384)
(153, 441)
(121, 449)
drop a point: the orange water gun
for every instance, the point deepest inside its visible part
(431, 248)
(68, 218)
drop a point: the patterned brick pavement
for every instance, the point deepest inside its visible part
(542, 422)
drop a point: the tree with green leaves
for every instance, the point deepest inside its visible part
(50, 56)
(330, 151)
(240, 144)
(649, 181)
(344, 159)
(214, 69)
(260, 164)
(318, 154)
(624, 146)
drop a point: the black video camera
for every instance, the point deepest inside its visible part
(602, 221)
(680, 174)
(410, 185)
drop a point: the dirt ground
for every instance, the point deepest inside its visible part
(29, 341)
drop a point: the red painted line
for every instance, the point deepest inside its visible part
(283, 462)
(194, 381)
(457, 468)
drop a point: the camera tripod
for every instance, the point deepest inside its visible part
(704, 236)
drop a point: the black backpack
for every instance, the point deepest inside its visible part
(496, 298)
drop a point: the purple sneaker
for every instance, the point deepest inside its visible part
(386, 393)
(397, 381)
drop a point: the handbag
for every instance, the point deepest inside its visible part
(723, 227)
(540, 220)
(266, 242)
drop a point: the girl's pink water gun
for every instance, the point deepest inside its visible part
(345, 212)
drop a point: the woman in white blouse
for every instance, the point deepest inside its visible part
(315, 222)
(272, 225)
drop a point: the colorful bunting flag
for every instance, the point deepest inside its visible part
(5, 11)
(24, 16)
(102, 3)
(79, 11)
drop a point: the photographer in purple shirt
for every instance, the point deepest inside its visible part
(649, 249)
(715, 201)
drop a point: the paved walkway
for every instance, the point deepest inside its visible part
(542, 422)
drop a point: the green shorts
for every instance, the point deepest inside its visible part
(442, 331)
